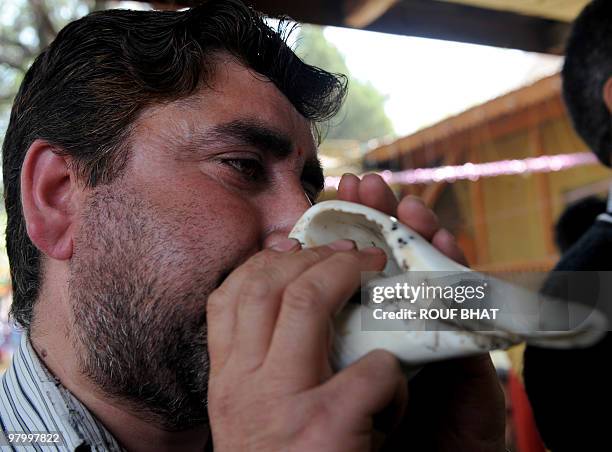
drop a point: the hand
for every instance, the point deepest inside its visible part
(456, 405)
(271, 387)
(372, 191)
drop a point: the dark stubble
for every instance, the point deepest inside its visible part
(138, 301)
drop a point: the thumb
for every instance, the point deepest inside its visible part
(373, 387)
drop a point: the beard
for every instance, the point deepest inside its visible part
(139, 280)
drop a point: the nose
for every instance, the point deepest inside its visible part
(282, 214)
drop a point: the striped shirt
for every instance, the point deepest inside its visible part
(33, 401)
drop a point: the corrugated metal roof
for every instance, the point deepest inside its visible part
(478, 116)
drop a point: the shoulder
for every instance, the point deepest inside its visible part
(592, 252)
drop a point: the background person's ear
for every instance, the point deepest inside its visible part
(49, 196)
(607, 94)
(607, 97)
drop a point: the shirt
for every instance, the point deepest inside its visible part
(569, 390)
(32, 400)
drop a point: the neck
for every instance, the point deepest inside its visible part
(51, 342)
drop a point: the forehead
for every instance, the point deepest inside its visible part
(234, 93)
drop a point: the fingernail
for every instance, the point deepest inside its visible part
(371, 176)
(373, 250)
(415, 200)
(342, 245)
(285, 245)
(446, 236)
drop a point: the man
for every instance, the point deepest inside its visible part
(570, 390)
(154, 165)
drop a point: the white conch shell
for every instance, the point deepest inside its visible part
(407, 251)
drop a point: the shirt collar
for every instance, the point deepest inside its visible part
(33, 400)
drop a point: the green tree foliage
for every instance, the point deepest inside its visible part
(27, 27)
(363, 115)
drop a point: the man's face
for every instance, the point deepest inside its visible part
(211, 179)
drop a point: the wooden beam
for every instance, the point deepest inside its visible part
(503, 109)
(483, 115)
(412, 190)
(421, 157)
(432, 192)
(479, 216)
(542, 265)
(361, 13)
(544, 194)
(563, 10)
(319, 12)
(425, 18)
(463, 23)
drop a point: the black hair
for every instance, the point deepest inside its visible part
(576, 220)
(587, 67)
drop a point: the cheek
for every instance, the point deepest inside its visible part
(221, 229)
(205, 222)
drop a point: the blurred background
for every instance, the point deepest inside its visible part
(458, 102)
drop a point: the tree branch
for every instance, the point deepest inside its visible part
(4, 40)
(7, 61)
(44, 28)
(7, 99)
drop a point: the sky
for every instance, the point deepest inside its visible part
(428, 80)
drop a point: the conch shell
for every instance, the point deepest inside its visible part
(409, 254)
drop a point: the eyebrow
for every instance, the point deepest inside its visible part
(248, 132)
(240, 133)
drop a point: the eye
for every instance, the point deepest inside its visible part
(251, 169)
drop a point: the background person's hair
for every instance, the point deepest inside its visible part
(83, 93)
(588, 65)
(576, 220)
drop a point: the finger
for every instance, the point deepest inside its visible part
(471, 368)
(348, 188)
(222, 303)
(374, 192)
(219, 329)
(260, 298)
(374, 385)
(414, 214)
(446, 243)
(477, 389)
(300, 341)
(447, 395)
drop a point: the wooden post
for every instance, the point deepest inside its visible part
(543, 188)
(432, 192)
(479, 216)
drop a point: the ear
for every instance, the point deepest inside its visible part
(607, 94)
(49, 193)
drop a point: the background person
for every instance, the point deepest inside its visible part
(576, 220)
(570, 389)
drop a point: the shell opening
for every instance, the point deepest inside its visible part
(331, 225)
